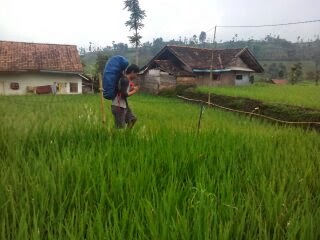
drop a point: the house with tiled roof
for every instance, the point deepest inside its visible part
(39, 68)
(181, 65)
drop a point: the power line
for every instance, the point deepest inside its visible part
(264, 25)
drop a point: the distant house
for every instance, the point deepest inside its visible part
(178, 65)
(88, 84)
(34, 68)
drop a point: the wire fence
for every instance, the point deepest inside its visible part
(251, 114)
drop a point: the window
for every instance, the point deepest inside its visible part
(73, 87)
(215, 77)
(239, 77)
(14, 86)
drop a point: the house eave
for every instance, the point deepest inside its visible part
(40, 71)
(211, 70)
(60, 72)
(241, 69)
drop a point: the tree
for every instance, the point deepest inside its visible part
(157, 44)
(120, 48)
(296, 73)
(273, 70)
(315, 56)
(102, 59)
(282, 70)
(203, 37)
(185, 41)
(90, 46)
(195, 39)
(135, 23)
(83, 62)
(281, 74)
(82, 51)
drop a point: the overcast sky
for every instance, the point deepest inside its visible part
(102, 21)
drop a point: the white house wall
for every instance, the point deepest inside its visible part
(245, 79)
(37, 79)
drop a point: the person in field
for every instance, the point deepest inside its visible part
(54, 88)
(121, 111)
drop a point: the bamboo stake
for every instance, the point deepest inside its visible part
(200, 117)
(103, 113)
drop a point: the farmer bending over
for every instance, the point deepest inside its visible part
(120, 108)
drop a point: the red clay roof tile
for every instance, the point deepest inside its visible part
(22, 56)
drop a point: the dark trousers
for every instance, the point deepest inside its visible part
(123, 116)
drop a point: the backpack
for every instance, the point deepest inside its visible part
(112, 74)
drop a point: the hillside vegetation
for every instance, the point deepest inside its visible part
(275, 54)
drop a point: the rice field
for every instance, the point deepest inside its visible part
(63, 175)
(303, 95)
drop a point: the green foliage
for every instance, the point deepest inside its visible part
(82, 51)
(203, 37)
(316, 54)
(282, 71)
(157, 45)
(275, 70)
(65, 176)
(307, 66)
(121, 48)
(102, 59)
(135, 22)
(296, 73)
(317, 77)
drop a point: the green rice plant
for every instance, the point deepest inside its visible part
(297, 95)
(63, 175)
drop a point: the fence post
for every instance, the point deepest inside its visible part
(200, 117)
(209, 100)
(103, 114)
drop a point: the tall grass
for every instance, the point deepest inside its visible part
(64, 176)
(298, 95)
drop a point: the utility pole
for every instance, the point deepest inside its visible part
(213, 47)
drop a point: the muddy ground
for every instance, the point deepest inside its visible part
(287, 113)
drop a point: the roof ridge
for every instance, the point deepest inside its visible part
(36, 43)
(199, 48)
